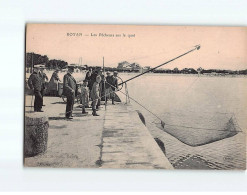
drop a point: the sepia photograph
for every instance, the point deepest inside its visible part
(135, 97)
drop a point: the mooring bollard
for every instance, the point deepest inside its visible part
(36, 134)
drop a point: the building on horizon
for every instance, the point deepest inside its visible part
(126, 66)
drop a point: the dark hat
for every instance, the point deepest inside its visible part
(115, 72)
(108, 72)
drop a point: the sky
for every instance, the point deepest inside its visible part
(221, 47)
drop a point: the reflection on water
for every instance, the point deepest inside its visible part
(207, 103)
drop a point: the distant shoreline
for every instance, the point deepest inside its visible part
(189, 75)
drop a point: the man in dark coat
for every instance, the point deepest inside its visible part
(69, 89)
(92, 79)
(35, 83)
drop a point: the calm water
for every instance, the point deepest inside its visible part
(202, 102)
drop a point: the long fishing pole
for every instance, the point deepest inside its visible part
(197, 47)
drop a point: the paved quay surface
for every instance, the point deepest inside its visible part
(115, 139)
(127, 143)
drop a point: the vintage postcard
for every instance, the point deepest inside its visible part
(135, 97)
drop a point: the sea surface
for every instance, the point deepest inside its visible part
(208, 104)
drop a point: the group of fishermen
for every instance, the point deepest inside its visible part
(95, 86)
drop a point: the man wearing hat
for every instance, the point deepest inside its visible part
(35, 83)
(69, 89)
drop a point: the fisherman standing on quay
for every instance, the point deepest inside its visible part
(35, 83)
(69, 89)
(95, 94)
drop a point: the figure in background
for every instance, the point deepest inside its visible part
(84, 96)
(53, 83)
(44, 79)
(35, 83)
(69, 88)
(95, 95)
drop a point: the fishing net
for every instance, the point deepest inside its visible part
(197, 129)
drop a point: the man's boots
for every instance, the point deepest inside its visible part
(113, 101)
(94, 113)
(84, 111)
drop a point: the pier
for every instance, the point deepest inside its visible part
(115, 139)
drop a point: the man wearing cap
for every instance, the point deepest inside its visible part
(69, 89)
(35, 83)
